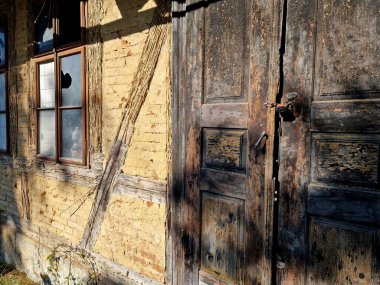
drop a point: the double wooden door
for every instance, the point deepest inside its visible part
(276, 197)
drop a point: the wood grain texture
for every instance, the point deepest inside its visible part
(94, 54)
(177, 209)
(244, 71)
(225, 51)
(294, 148)
(347, 57)
(209, 279)
(222, 236)
(225, 149)
(220, 182)
(225, 115)
(259, 200)
(192, 101)
(347, 204)
(333, 143)
(355, 116)
(156, 38)
(141, 188)
(342, 253)
(348, 162)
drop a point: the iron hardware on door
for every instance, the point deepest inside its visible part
(285, 108)
(262, 137)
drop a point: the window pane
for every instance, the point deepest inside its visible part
(69, 21)
(72, 134)
(46, 127)
(2, 92)
(3, 132)
(71, 80)
(47, 96)
(44, 25)
(2, 46)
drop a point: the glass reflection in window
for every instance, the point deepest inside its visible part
(72, 134)
(71, 80)
(2, 46)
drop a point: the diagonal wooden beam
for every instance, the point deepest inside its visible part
(156, 38)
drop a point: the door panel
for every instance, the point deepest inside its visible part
(226, 61)
(341, 253)
(329, 215)
(226, 51)
(222, 236)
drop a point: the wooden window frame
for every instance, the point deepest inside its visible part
(55, 55)
(56, 46)
(4, 70)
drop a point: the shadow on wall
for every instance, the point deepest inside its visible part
(10, 216)
(135, 17)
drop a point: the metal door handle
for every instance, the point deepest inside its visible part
(263, 136)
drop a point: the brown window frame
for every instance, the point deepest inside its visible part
(55, 55)
(4, 70)
(55, 20)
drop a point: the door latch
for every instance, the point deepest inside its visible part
(284, 107)
(258, 144)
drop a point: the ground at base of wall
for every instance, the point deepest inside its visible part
(10, 276)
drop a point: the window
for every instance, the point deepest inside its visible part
(60, 69)
(58, 23)
(3, 91)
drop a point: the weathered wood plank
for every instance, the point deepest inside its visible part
(223, 183)
(141, 188)
(294, 147)
(224, 149)
(76, 175)
(225, 48)
(209, 279)
(222, 236)
(261, 19)
(156, 38)
(347, 57)
(192, 101)
(341, 253)
(346, 204)
(176, 223)
(355, 116)
(94, 54)
(225, 115)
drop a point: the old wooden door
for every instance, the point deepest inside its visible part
(329, 206)
(222, 72)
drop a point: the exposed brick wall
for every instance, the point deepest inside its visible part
(53, 207)
(124, 30)
(148, 153)
(134, 234)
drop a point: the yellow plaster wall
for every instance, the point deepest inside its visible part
(133, 234)
(54, 207)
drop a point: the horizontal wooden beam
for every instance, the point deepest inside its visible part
(141, 188)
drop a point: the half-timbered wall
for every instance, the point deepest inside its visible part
(43, 204)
